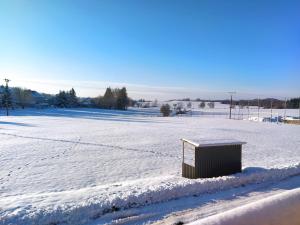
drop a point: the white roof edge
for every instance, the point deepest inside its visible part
(219, 143)
(190, 142)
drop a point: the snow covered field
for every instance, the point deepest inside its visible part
(73, 166)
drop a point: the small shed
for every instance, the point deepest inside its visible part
(211, 158)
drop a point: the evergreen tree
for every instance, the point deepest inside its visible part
(211, 105)
(73, 100)
(1, 96)
(293, 103)
(66, 99)
(61, 99)
(122, 99)
(6, 98)
(109, 99)
(113, 99)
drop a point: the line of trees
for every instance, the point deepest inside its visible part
(23, 97)
(66, 99)
(113, 99)
(15, 97)
(267, 103)
(6, 97)
(293, 103)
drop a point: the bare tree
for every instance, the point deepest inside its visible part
(155, 103)
(189, 105)
(23, 97)
(211, 105)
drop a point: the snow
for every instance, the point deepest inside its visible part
(213, 142)
(197, 207)
(282, 208)
(75, 165)
(243, 113)
(292, 118)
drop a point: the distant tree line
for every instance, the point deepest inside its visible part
(16, 97)
(293, 103)
(267, 103)
(23, 97)
(113, 99)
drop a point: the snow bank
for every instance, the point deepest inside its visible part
(83, 205)
(280, 209)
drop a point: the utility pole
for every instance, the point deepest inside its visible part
(230, 107)
(258, 109)
(6, 94)
(248, 110)
(239, 110)
(299, 110)
(271, 109)
(285, 109)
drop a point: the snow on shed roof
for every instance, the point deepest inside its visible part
(213, 142)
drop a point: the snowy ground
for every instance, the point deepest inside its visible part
(74, 166)
(199, 207)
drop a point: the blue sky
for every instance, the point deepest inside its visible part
(153, 47)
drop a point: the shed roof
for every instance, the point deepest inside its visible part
(212, 142)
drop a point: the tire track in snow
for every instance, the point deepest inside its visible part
(93, 144)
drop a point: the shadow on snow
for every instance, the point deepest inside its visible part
(130, 115)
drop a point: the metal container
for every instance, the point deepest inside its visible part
(212, 158)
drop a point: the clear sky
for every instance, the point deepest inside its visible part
(157, 48)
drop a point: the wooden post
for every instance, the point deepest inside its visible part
(182, 151)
